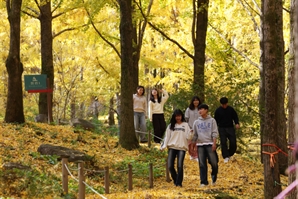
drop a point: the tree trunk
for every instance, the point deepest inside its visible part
(128, 138)
(291, 98)
(46, 54)
(294, 20)
(199, 31)
(111, 112)
(14, 109)
(274, 126)
(280, 100)
(138, 32)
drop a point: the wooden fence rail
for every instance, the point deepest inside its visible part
(81, 177)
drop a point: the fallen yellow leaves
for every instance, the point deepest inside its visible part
(239, 178)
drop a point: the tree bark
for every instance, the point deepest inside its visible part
(128, 138)
(199, 31)
(111, 112)
(46, 54)
(14, 109)
(273, 63)
(291, 97)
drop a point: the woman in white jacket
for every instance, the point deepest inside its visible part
(176, 140)
(156, 113)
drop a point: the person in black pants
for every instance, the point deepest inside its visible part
(226, 117)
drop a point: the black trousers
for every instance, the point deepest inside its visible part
(159, 126)
(227, 134)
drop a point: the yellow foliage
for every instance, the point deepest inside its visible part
(240, 177)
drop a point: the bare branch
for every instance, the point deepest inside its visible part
(101, 36)
(142, 30)
(257, 6)
(172, 40)
(58, 5)
(68, 29)
(248, 5)
(99, 64)
(236, 50)
(36, 16)
(250, 14)
(194, 21)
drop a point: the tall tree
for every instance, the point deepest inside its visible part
(44, 15)
(128, 138)
(47, 66)
(199, 32)
(139, 27)
(14, 108)
(273, 64)
(293, 91)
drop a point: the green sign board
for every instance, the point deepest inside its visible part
(35, 82)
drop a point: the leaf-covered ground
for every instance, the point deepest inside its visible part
(239, 178)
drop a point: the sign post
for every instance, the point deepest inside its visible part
(40, 84)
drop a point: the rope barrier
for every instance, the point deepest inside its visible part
(272, 159)
(142, 132)
(70, 173)
(83, 182)
(100, 171)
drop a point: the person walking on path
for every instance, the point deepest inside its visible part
(176, 140)
(156, 113)
(205, 134)
(192, 114)
(226, 117)
(140, 113)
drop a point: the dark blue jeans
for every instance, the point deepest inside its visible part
(205, 152)
(226, 134)
(176, 176)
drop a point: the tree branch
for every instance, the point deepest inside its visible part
(67, 29)
(99, 64)
(236, 50)
(101, 36)
(172, 40)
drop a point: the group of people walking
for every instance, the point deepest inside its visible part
(194, 131)
(156, 113)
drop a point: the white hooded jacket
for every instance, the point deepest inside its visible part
(177, 138)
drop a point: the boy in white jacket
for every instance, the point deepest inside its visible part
(205, 135)
(176, 140)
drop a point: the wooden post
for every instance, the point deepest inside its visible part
(64, 176)
(167, 172)
(150, 175)
(149, 139)
(107, 180)
(129, 177)
(81, 180)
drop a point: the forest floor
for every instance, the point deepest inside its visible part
(242, 177)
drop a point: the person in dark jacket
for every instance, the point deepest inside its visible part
(227, 120)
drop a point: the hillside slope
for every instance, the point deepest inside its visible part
(239, 178)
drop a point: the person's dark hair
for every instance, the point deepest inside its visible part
(204, 106)
(173, 119)
(191, 106)
(152, 97)
(142, 88)
(223, 100)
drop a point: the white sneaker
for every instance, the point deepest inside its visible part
(226, 160)
(193, 158)
(203, 185)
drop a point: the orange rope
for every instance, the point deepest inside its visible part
(272, 159)
(278, 149)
